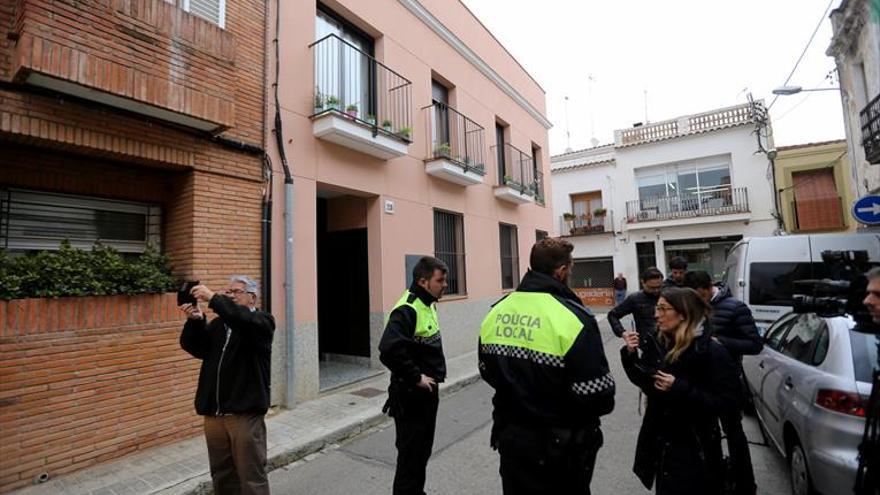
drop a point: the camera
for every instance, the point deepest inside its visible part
(842, 293)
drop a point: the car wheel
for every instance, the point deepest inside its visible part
(798, 471)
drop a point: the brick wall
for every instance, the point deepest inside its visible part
(77, 390)
(84, 380)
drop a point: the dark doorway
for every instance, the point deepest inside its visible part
(646, 255)
(343, 301)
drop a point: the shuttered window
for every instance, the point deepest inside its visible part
(34, 221)
(509, 256)
(449, 247)
(212, 10)
(817, 204)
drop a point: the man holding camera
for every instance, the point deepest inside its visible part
(233, 389)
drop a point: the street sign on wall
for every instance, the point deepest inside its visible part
(867, 210)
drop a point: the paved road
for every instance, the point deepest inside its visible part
(463, 463)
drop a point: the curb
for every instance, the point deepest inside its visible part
(292, 455)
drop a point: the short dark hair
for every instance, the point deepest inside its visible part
(549, 254)
(697, 279)
(424, 269)
(651, 274)
(678, 263)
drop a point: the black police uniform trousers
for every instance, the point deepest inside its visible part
(547, 461)
(415, 419)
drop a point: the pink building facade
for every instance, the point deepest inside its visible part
(409, 130)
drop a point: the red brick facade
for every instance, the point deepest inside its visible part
(86, 380)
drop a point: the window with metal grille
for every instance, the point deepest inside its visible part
(211, 10)
(449, 247)
(36, 221)
(509, 256)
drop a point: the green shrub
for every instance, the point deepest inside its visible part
(75, 272)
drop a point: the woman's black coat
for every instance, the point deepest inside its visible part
(679, 445)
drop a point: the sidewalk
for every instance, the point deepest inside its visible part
(182, 467)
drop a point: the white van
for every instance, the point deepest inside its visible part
(760, 270)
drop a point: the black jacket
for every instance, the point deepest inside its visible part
(639, 304)
(407, 359)
(733, 325)
(240, 373)
(532, 393)
(679, 445)
(671, 282)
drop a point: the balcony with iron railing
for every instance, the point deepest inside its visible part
(869, 118)
(587, 224)
(456, 146)
(359, 102)
(516, 181)
(708, 202)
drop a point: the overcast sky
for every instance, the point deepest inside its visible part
(690, 55)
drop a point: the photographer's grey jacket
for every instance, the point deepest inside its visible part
(235, 349)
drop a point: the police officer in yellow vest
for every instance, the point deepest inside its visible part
(541, 351)
(412, 350)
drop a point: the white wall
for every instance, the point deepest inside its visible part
(616, 180)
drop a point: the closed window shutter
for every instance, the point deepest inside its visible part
(817, 204)
(212, 10)
(31, 220)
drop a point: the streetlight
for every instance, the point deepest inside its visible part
(793, 90)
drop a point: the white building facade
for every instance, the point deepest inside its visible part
(855, 46)
(690, 186)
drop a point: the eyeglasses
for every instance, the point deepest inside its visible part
(663, 309)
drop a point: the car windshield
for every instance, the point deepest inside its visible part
(864, 351)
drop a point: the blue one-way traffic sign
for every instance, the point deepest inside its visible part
(867, 210)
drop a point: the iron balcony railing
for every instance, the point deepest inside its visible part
(589, 224)
(718, 201)
(539, 186)
(514, 169)
(818, 214)
(870, 120)
(351, 82)
(456, 138)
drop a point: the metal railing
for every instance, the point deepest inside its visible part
(718, 201)
(353, 83)
(870, 121)
(818, 214)
(589, 224)
(456, 138)
(539, 187)
(691, 124)
(514, 169)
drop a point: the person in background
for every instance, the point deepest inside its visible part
(639, 304)
(619, 285)
(677, 267)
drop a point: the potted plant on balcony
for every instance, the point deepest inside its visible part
(404, 132)
(332, 102)
(320, 100)
(371, 119)
(387, 125)
(443, 149)
(352, 111)
(600, 212)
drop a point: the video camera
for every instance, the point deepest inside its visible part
(842, 293)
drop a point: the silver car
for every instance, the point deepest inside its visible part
(810, 385)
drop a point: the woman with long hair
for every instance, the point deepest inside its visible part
(688, 379)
